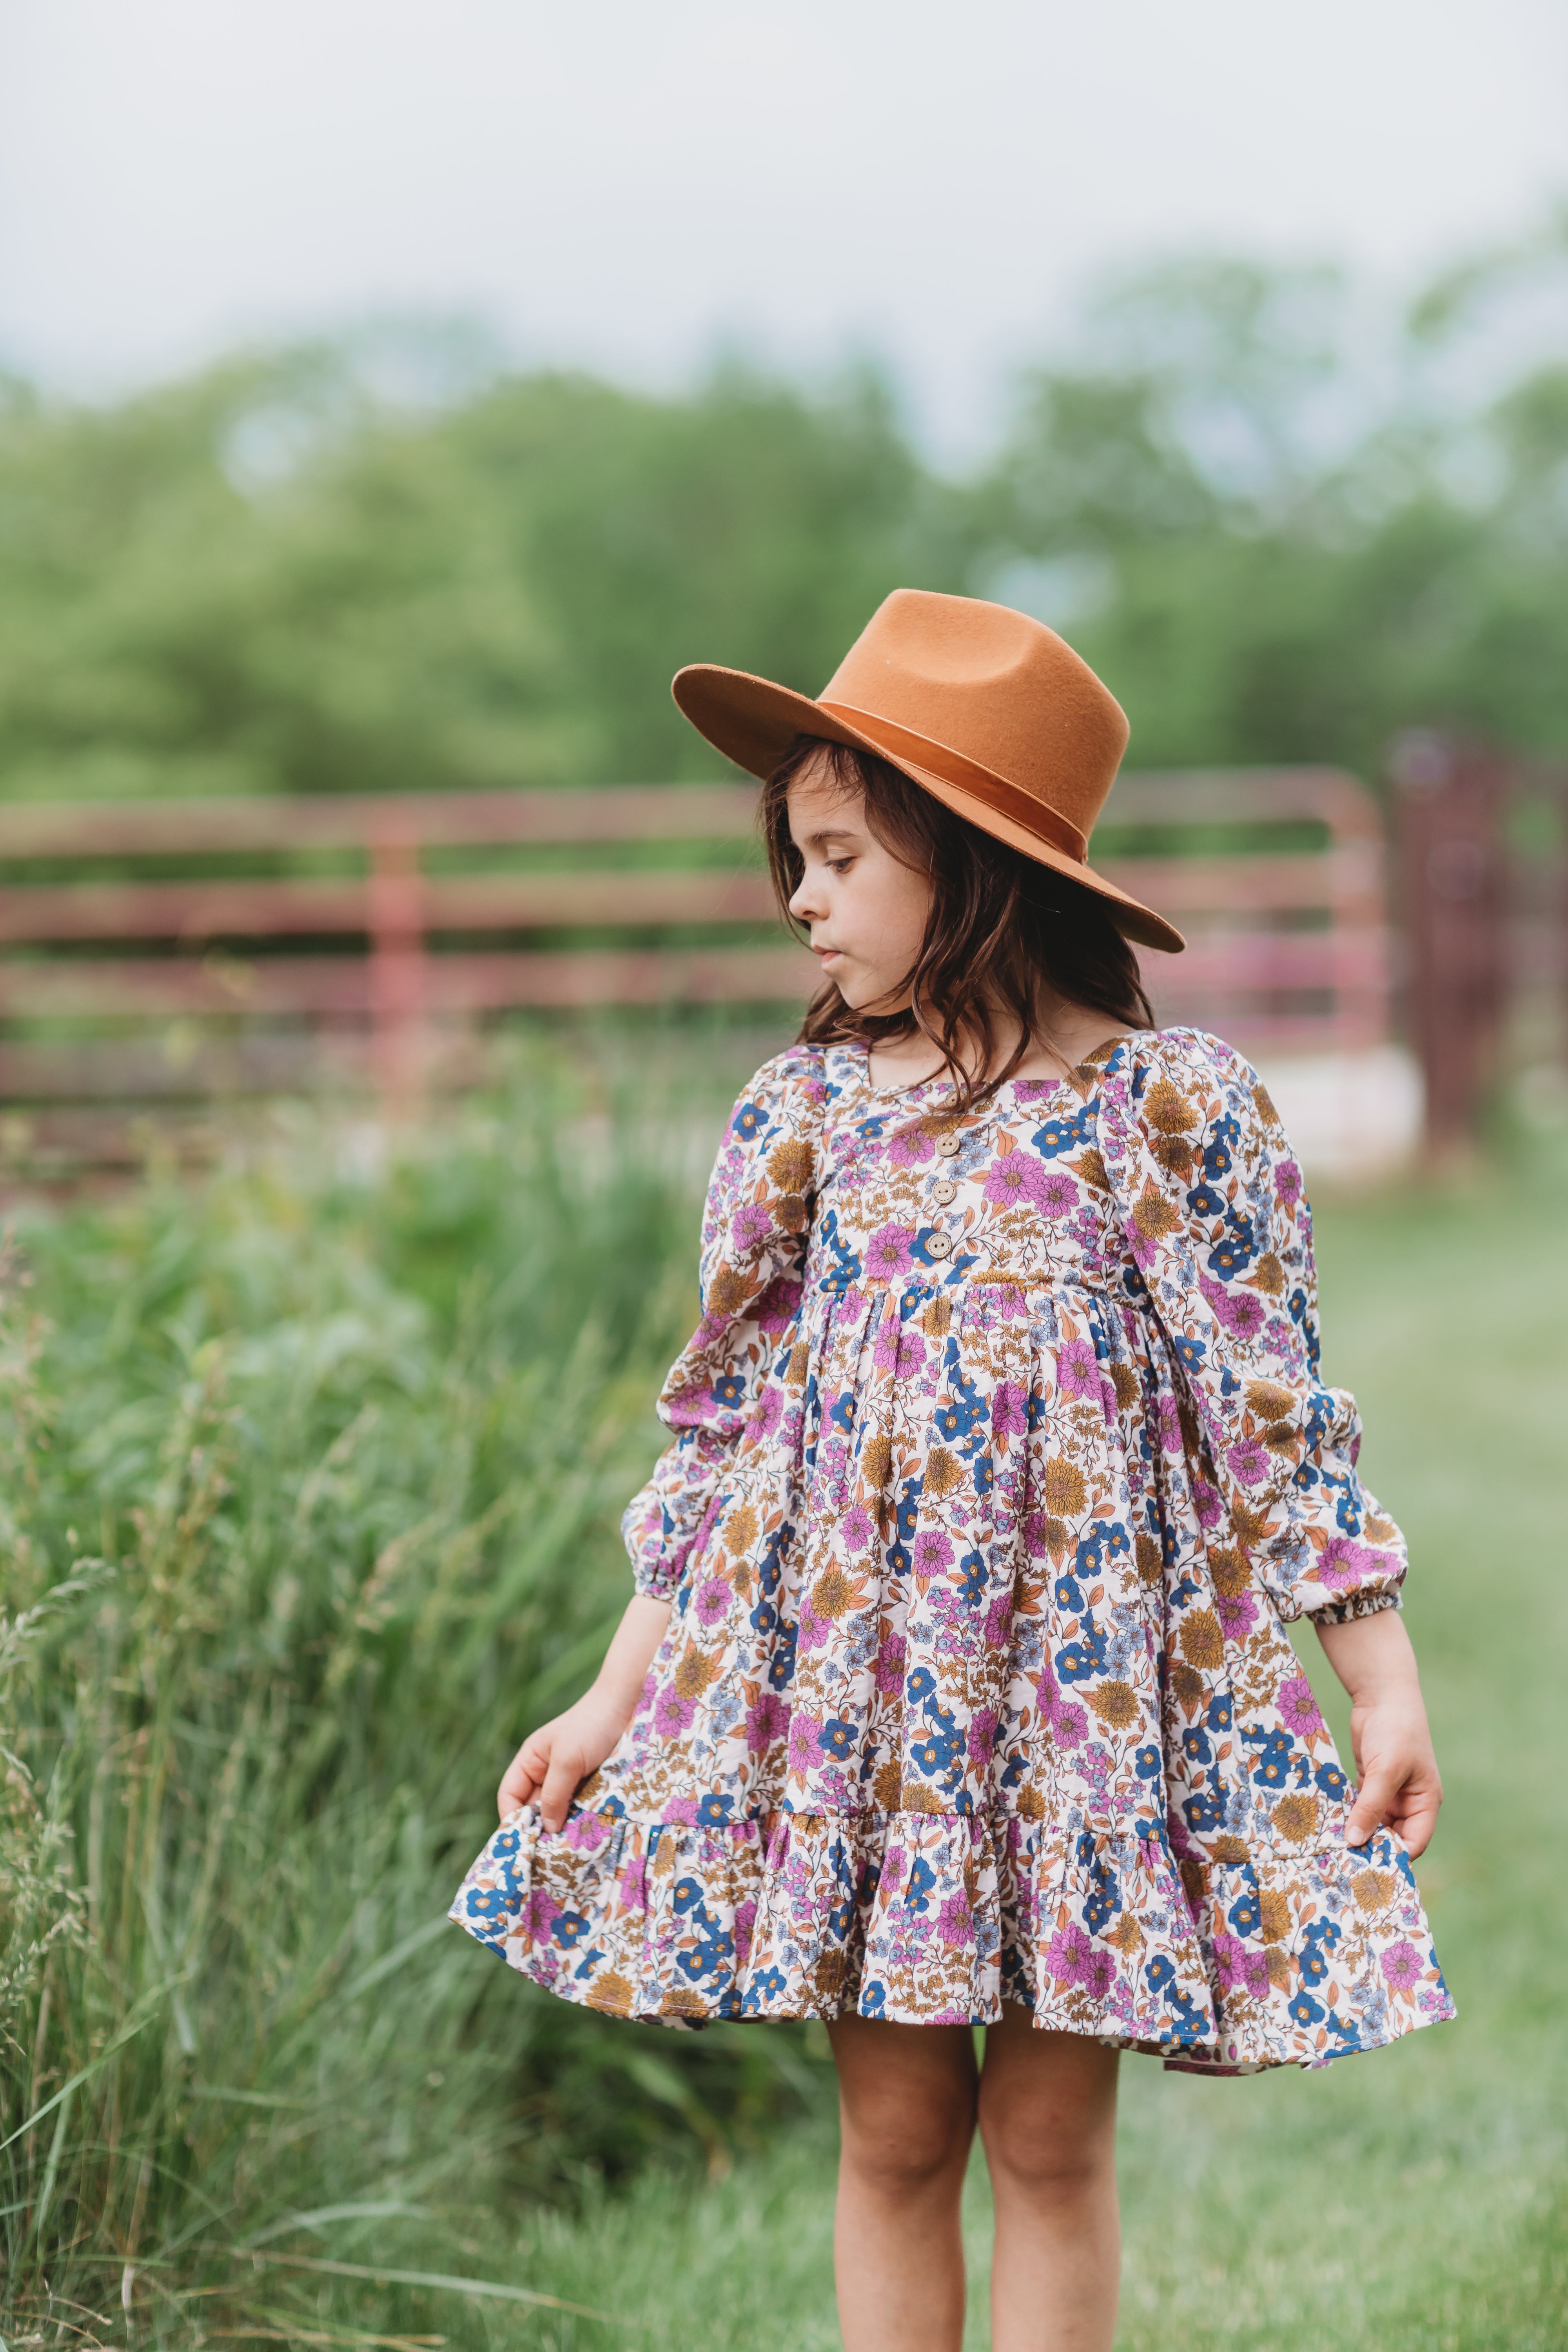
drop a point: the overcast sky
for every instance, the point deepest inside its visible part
(632, 182)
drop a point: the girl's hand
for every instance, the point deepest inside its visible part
(561, 1753)
(1396, 1766)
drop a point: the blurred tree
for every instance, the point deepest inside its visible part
(1281, 526)
(267, 581)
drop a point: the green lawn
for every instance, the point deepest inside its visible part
(282, 1700)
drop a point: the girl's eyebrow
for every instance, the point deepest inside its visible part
(830, 832)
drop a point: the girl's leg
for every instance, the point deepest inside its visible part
(907, 2105)
(1047, 2119)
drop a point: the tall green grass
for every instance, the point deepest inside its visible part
(310, 1483)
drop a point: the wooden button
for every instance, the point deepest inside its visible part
(944, 1192)
(940, 1245)
(949, 1146)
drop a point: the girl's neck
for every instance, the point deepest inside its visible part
(1067, 1036)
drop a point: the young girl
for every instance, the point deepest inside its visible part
(956, 1689)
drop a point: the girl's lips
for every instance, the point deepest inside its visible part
(826, 954)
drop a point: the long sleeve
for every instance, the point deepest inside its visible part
(753, 1242)
(1214, 1215)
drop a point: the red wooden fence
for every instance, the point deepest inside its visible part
(155, 951)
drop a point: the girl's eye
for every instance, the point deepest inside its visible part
(840, 864)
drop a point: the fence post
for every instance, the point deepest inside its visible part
(1449, 798)
(395, 888)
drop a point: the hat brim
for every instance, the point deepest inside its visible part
(753, 723)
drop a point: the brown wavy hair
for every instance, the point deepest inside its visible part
(1003, 929)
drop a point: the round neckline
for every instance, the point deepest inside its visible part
(860, 1050)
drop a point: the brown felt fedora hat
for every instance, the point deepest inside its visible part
(983, 706)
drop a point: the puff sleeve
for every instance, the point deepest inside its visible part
(754, 1229)
(1215, 1216)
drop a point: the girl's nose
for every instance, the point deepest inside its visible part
(803, 903)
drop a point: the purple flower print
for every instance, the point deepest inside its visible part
(813, 1633)
(1241, 1311)
(1299, 1709)
(998, 1619)
(765, 1413)
(887, 1253)
(1206, 1503)
(1008, 1417)
(1069, 1724)
(1017, 1176)
(1237, 1614)
(1077, 1374)
(745, 1922)
(933, 1553)
(1057, 1196)
(899, 1350)
(1068, 1955)
(585, 1833)
(1341, 1562)
(1236, 1967)
(1248, 1458)
(681, 1811)
(858, 1527)
(672, 1716)
(542, 1913)
(910, 1147)
(955, 1921)
(751, 1227)
(632, 1883)
(981, 1732)
(1401, 1964)
(775, 1308)
(1170, 1425)
(892, 1659)
(804, 1751)
(766, 1722)
(710, 1602)
(1288, 1182)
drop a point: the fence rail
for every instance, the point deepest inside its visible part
(180, 949)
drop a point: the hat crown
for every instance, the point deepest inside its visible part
(994, 685)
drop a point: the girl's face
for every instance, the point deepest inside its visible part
(866, 912)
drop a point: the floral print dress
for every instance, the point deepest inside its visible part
(1002, 1460)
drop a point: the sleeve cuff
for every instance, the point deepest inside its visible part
(1348, 1606)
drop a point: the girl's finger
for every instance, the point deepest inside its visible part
(1419, 1819)
(522, 1776)
(1374, 1797)
(559, 1782)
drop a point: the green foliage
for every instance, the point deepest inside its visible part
(1282, 527)
(311, 1483)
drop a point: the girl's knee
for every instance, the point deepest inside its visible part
(1049, 2123)
(907, 2110)
(900, 2149)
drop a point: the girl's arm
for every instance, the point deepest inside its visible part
(554, 1759)
(1395, 1763)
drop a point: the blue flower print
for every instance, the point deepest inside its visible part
(569, 1929)
(922, 1880)
(838, 1739)
(714, 1812)
(1219, 1712)
(749, 1122)
(1306, 2010)
(920, 1685)
(1149, 1762)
